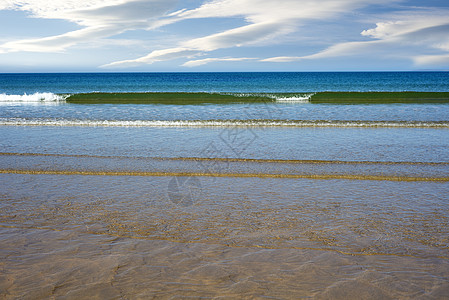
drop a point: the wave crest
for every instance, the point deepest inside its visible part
(280, 97)
(304, 98)
(36, 97)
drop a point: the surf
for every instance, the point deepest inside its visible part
(33, 98)
(225, 123)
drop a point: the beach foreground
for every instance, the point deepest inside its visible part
(100, 236)
(73, 264)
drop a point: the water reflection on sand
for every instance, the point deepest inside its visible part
(77, 236)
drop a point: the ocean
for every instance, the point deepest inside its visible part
(249, 185)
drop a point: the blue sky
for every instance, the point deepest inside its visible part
(223, 35)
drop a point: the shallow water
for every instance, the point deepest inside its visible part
(277, 111)
(132, 212)
(101, 225)
(135, 236)
(345, 144)
(352, 206)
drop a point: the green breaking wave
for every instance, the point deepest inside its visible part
(180, 98)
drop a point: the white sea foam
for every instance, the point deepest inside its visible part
(222, 123)
(33, 98)
(297, 98)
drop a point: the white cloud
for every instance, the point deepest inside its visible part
(239, 36)
(100, 19)
(256, 11)
(407, 22)
(414, 34)
(267, 19)
(60, 42)
(158, 55)
(7, 4)
(432, 60)
(418, 34)
(199, 62)
(282, 59)
(343, 49)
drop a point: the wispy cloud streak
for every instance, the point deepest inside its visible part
(404, 38)
(99, 19)
(267, 20)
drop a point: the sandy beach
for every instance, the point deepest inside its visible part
(135, 237)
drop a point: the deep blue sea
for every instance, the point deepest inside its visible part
(19, 84)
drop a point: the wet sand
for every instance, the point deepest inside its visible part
(138, 237)
(72, 264)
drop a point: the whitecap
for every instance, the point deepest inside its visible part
(45, 97)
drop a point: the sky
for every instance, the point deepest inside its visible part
(223, 35)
